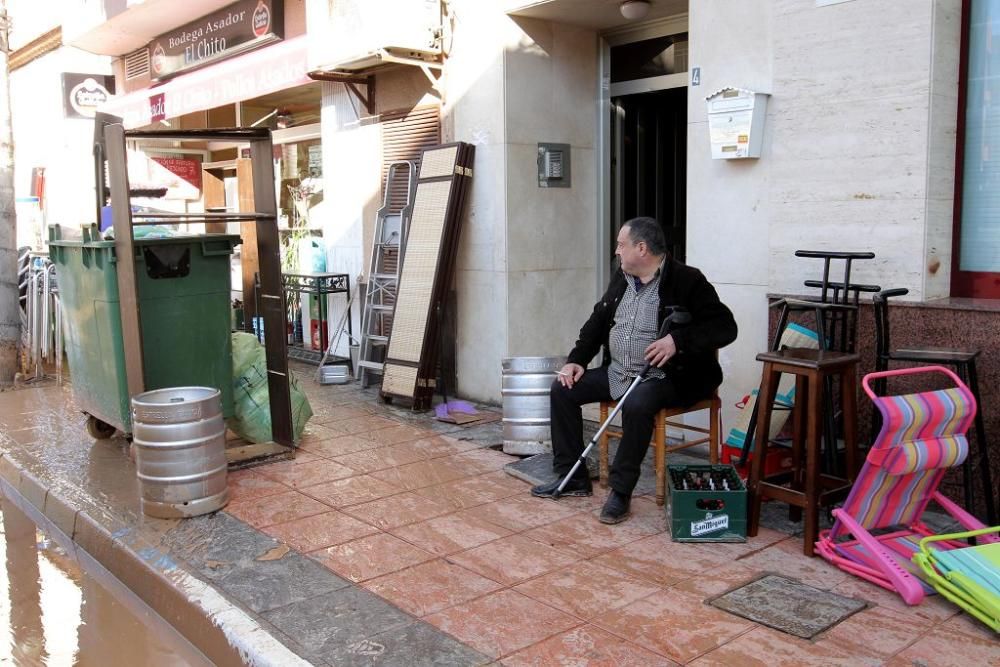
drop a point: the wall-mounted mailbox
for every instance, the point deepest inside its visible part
(736, 123)
(553, 165)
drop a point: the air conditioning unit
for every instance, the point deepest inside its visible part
(362, 34)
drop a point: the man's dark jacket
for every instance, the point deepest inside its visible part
(694, 369)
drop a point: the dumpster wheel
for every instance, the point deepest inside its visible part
(98, 429)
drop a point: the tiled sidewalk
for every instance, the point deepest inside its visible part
(422, 514)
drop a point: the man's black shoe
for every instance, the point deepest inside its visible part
(576, 486)
(616, 507)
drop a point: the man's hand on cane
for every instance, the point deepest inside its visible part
(660, 351)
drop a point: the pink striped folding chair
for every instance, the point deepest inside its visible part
(879, 528)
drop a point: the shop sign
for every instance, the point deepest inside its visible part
(157, 107)
(83, 93)
(187, 169)
(235, 29)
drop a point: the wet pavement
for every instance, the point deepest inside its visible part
(57, 610)
(393, 538)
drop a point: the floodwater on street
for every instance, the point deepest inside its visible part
(53, 612)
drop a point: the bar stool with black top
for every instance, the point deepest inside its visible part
(836, 316)
(809, 489)
(964, 363)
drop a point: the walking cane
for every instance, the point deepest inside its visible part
(678, 318)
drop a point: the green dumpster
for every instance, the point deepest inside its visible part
(183, 288)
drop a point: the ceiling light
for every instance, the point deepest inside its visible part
(634, 10)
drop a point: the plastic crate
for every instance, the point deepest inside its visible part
(777, 460)
(706, 515)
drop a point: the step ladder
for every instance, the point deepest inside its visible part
(392, 222)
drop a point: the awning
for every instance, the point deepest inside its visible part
(266, 70)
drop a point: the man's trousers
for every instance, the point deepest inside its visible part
(637, 414)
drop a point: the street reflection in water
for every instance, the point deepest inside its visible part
(53, 613)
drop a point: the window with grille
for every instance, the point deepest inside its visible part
(404, 135)
(137, 64)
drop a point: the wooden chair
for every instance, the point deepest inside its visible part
(659, 442)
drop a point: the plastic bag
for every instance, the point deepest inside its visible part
(252, 411)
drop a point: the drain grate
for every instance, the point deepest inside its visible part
(788, 605)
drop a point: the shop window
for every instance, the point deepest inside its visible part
(976, 271)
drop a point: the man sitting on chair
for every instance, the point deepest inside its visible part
(626, 322)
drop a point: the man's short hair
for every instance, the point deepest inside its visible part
(647, 230)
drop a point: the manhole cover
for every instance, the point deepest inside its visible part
(788, 605)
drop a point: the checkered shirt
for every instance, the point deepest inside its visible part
(634, 330)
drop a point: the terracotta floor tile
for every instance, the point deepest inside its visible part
(716, 581)
(360, 425)
(314, 432)
(393, 435)
(786, 558)
(327, 414)
(763, 647)
(523, 512)
(370, 460)
(513, 559)
(674, 624)
(968, 625)
(398, 510)
(646, 514)
(485, 459)
(443, 445)
(351, 491)
(662, 561)
(877, 631)
(584, 535)
(764, 538)
(933, 608)
(308, 474)
(339, 446)
(501, 623)
(471, 491)
(301, 457)
(586, 589)
(942, 648)
(371, 556)
(279, 508)
(449, 534)
(431, 587)
(319, 531)
(422, 473)
(249, 484)
(587, 645)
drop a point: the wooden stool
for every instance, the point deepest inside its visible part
(660, 449)
(809, 489)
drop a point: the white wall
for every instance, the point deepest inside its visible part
(858, 152)
(351, 166)
(43, 137)
(526, 265)
(728, 203)
(472, 111)
(551, 96)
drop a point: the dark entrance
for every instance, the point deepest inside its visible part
(649, 162)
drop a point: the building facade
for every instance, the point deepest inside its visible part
(860, 145)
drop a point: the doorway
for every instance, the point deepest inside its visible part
(649, 162)
(645, 132)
